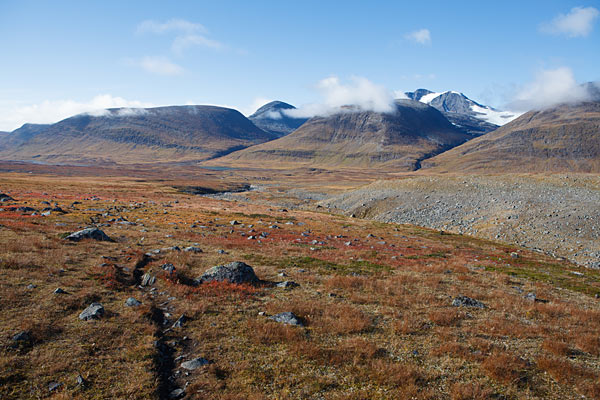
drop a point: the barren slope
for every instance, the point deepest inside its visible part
(178, 133)
(562, 139)
(360, 138)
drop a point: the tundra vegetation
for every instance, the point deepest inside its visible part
(384, 310)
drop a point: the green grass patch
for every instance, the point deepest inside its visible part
(555, 274)
(311, 263)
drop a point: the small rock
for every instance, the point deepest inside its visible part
(59, 291)
(287, 284)
(80, 381)
(89, 233)
(131, 302)
(195, 363)
(192, 249)
(514, 255)
(23, 336)
(286, 318)
(5, 197)
(234, 222)
(261, 313)
(170, 268)
(94, 311)
(177, 393)
(180, 321)
(31, 286)
(148, 279)
(530, 296)
(464, 301)
(52, 386)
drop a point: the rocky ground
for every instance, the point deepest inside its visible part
(556, 214)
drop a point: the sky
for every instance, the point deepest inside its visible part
(59, 58)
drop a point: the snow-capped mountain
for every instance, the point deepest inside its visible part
(463, 112)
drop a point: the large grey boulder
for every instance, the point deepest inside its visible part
(89, 233)
(288, 318)
(235, 272)
(94, 311)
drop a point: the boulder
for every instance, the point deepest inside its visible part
(195, 363)
(94, 311)
(192, 249)
(89, 233)
(286, 318)
(131, 302)
(464, 301)
(235, 272)
(5, 197)
(287, 284)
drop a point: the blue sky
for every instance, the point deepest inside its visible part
(62, 57)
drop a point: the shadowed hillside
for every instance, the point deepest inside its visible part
(362, 138)
(564, 138)
(178, 133)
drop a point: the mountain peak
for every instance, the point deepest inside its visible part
(272, 106)
(271, 118)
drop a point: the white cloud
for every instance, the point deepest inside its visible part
(399, 94)
(171, 25)
(180, 43)
(549, 88)
(578, 22)
(422, 36)
(159, 66)
(50, 111)
(360, 93)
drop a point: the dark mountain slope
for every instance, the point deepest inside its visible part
(397, 140)
(272, 118)
(177, 133)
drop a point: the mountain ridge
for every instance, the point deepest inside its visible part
(358, 138)
(183, 133)
(563, 138)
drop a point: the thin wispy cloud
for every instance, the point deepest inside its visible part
(160, 66)
(187, 34)
(422, 36)
(181, 43)
(50, 111)
(579, 22)
(171, 25)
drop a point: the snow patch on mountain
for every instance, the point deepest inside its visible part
(492, 116)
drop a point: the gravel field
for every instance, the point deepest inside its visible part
(556, 214)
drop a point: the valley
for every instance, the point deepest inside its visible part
(381, 310)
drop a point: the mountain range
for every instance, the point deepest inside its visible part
(357, 138)
(474, 118)
(123, 135)
(441, 131)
